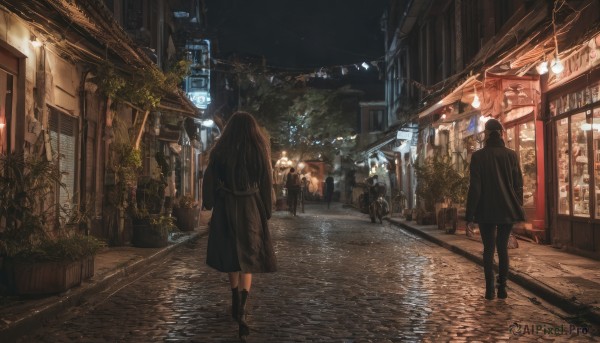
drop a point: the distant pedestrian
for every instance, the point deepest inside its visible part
(303, 192)
(328, 190)
(292, 184)
(495, 202)
(350, 184)
(238, 188)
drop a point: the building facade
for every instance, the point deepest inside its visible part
(453, 64)
(54, 56)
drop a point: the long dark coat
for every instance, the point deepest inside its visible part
(496, 185)
(239, 237)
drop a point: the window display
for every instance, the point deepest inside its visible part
(563, 172)
(510, 138)
(596, 123)
(521, 138)
(527, 159)
(579, 166)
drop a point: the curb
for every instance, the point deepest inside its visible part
(523, 280)
(37, 316)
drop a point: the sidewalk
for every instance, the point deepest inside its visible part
(565, 280)
(112, 266)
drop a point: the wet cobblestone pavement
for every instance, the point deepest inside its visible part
(341, 279)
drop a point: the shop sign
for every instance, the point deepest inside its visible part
(587, 56)
(574, 100)
(406, 135)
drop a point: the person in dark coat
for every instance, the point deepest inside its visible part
(237, 186)
(292, 184)
(328, 190)
(495, 202)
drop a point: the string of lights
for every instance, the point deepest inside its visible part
(289, 74)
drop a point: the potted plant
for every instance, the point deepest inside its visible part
(164, 169)
(39, 254)
(458, 187)
(152, 230)
(150, 195)
(187, 212)
(439, 187)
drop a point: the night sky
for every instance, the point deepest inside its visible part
(299, 33)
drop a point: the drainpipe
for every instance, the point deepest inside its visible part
(160, 33)
(83, 154)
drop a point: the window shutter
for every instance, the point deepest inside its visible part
(63, 139)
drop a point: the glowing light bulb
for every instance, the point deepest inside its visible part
(476, 103)
(542, 68)
(557, 66)
(36, 43)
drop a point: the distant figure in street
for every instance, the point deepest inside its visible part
(238, 188)
(495, 201)
(292, 184)
(328, 190)
(350, 184)
(303, 192)
(375, 189)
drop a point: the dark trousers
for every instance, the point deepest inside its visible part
(293, 200)
(491, 240)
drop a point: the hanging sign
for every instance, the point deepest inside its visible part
(406, 135)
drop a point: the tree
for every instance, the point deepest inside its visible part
(302, 120)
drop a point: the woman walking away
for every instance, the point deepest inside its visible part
(237, 187)
(495, 201)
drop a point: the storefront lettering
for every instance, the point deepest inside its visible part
(587, 56)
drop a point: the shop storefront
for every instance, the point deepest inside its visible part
(524, 134)
(573, 104)
(514, 101)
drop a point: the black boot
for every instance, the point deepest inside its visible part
(235, 303)
(502, 289)
(244, 330)
(489, 289)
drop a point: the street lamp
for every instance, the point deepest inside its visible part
(210, 124)
(281, 165)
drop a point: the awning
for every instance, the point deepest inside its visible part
(179, 103)
(378, 144)
(169, 135)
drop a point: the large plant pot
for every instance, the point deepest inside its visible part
(146, 235)
(187, 218)
(35, 278)
(425, 218)
(448, 219)
(87, 267)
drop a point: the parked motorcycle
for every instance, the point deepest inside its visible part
(378, 209)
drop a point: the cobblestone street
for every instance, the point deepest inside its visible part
(340, 279)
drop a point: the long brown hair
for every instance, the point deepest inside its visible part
(243, 147)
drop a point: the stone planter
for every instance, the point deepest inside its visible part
(187, 218)
(36, 278)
